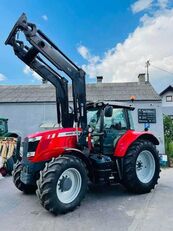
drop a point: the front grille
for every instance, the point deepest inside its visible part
(29, 146)
(32, 146)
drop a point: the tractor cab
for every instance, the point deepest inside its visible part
(3, 126)
(107, 123)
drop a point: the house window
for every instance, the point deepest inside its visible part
(169, 98)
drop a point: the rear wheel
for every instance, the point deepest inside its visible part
(18, 183)
(141, 167)
(62, 184)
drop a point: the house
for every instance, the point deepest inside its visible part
(167, 101)
(29, 106)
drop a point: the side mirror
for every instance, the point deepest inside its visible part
(108, 111)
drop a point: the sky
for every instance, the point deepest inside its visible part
(109, 38)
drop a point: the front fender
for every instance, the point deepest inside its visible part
(129, 138)
(79, 154)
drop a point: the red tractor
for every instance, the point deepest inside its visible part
(95, 141)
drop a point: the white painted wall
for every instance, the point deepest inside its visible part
(167, 104)
(167, 107)
(26, 118)
(157, 128)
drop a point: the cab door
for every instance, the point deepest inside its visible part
(114, 127)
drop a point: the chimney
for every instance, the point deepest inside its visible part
(99, 79)
(141, 78)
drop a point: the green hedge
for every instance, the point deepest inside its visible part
(168, 133)
(170, 149)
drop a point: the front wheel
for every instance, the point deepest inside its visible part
(141, 167)
(18, 183)
(62, 184)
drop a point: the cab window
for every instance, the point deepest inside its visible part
(131, 120)
(117, 121)
(93, 116)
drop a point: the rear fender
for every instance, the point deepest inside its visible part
(129, 138)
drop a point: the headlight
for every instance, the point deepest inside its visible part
(32, 145)
(34, 139)
(30, 154)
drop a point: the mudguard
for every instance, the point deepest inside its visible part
(129, 138)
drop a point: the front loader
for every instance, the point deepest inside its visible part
(95, 141)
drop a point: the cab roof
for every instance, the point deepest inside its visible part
(4, 119)
(104, 104)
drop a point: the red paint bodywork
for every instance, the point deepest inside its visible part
(53, 143)
(128, 138)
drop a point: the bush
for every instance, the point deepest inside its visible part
(168, 134)
(170, 149)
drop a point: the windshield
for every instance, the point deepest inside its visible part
(117, 120)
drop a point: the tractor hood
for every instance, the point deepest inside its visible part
(43, 146)
(44, 133)
(54, 132)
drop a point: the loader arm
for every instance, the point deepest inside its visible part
(40, 43)
(47, 73)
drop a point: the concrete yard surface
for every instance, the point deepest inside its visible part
(104, 208)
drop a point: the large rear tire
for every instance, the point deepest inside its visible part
(141, 167)
(62, 184)
(18, 183)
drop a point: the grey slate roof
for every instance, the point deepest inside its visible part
(97, 91)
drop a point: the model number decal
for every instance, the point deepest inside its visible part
(62, 134)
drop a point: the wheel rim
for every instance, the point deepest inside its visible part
(69, 185)
(145, 166)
